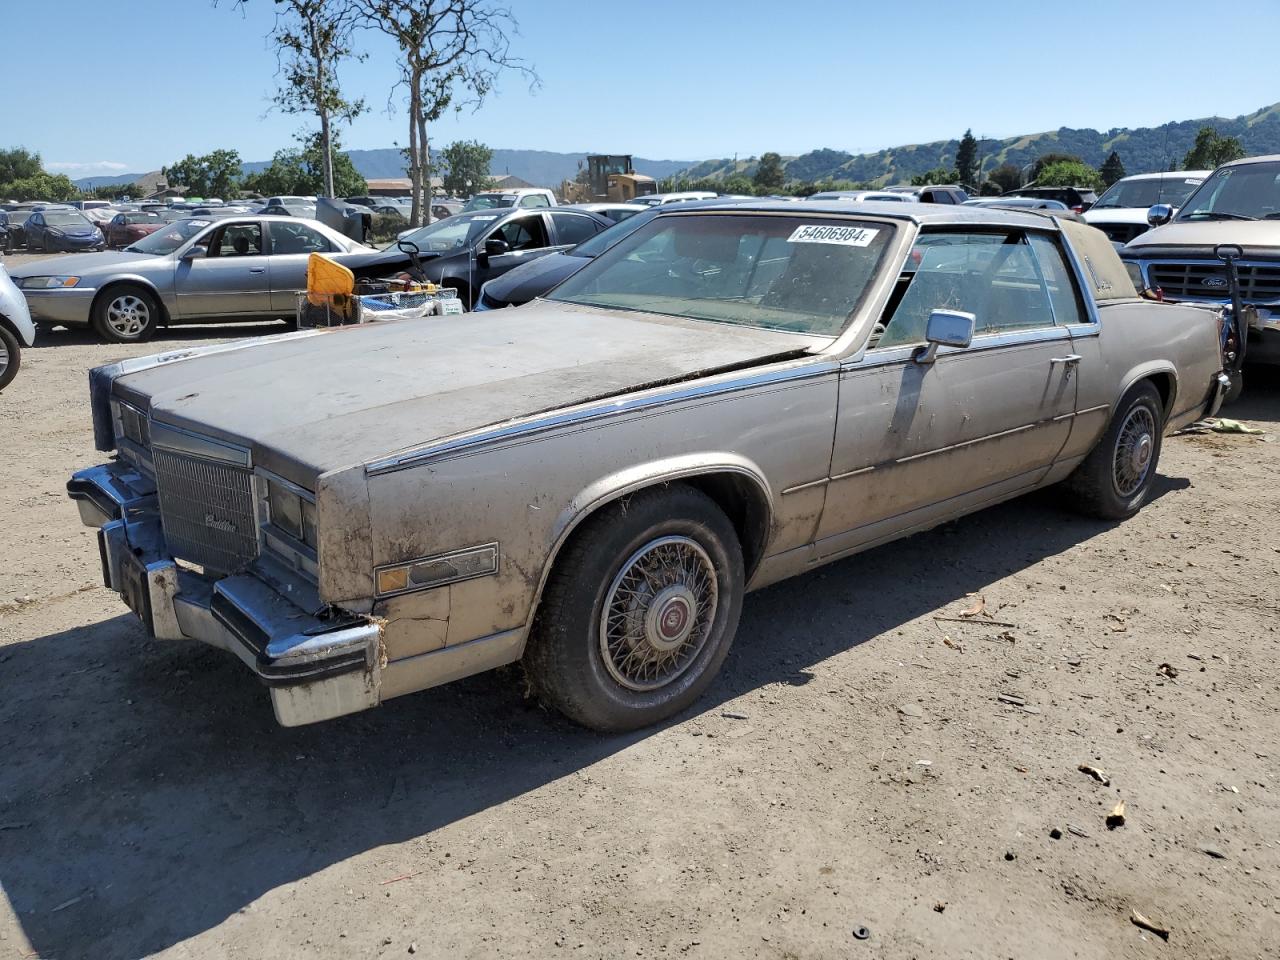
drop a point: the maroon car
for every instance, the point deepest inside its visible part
(130, 227)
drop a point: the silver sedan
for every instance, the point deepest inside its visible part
(193, 270)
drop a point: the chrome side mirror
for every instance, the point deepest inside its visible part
(1160, 214)
(947, 328)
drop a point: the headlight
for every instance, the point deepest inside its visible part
(47, 283)
(291, 513)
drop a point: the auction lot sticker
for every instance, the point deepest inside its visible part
(828, 233)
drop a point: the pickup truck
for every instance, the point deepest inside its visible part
(1237, 205)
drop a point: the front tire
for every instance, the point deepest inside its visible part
(639, 612)
(10, 357)
(126, 314)
(1115, 478)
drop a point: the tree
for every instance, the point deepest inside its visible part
(1211, 150)
(1006, 176)
(1112, 169)
(465, 165)
(41, 186)
(1046, 159)
(1069, 173)
(448, 49)
(967, 159)
(737, 184)
(301, 170)
(937, 175)
(769, 176)
(313, 36)
(114, 190)
(215, 174)
(18, 163)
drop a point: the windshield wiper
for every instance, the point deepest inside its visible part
(1219, 215)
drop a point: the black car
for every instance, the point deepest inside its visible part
(1077, 199)
(17, 229)
(532, 280)
(467, 250)
(6, 237)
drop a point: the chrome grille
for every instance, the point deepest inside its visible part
(1258, 283)
(206, 508)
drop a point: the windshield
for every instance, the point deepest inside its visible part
(456, 233)
(1145, 193)
(170, 238)
(1247, 192)
(605, 239)
(798, 274)
(64, 218)
(488, 201)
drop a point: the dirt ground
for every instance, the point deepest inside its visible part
(866, 759)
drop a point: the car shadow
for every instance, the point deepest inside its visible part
(183, 333)
(1260, 399)
(147, 794)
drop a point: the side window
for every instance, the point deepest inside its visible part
(573, 228)
(523, 233)
(237, 240)
(297, 238)
(1059, 280)
(994, 276)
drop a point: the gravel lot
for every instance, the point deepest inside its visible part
(855, 764)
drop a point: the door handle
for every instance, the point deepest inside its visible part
(1070, 359)
(264, 270)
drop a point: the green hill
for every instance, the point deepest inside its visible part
(1143, 150)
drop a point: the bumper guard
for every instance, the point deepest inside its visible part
(316, 667)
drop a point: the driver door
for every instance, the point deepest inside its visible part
(233, 279)
(526, 237)
(917, 443)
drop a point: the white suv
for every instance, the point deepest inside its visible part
(525, 197)
(1121, 212)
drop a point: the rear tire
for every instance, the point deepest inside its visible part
(126, 314)
(639, 612)
(10, 357)
(1115, 478)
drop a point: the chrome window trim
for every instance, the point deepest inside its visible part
(1090, 304)
(810, 368)
(177, 440)
(981, 344)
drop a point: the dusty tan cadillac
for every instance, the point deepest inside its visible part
(591, 482)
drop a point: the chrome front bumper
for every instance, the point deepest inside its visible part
(316, 667)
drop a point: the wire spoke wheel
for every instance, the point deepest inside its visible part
(658, 613)
(128, 315)
(1134, 450)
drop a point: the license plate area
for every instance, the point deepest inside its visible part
(133, 587)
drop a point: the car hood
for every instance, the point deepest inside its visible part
(1205, 234)
(82, 264)
(72, 229)
(306, 405)
(533, 279)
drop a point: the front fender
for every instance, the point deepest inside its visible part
(613, 486)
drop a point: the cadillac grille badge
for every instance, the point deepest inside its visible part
(226, 526)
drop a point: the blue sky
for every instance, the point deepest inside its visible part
(661, 79)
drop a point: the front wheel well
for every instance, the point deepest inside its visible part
(117, 284)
